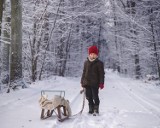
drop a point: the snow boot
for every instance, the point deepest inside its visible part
(90, 109)
(96, 110)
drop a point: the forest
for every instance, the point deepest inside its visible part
(43, 38)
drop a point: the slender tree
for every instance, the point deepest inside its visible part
(154, 42)
(6, 42)
(16, 43)
(132, 12)
(1, 13)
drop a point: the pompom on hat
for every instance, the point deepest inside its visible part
(93, 49)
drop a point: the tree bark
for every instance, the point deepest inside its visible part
(117, 63)
(137, 67)
(1, 13)
(6, 53)
(132, 4)
(155, 47)
(16, 41)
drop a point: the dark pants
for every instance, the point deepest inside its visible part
(92, 96)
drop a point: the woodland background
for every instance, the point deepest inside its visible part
(42, 38)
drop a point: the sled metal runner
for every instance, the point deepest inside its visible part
(59, 111)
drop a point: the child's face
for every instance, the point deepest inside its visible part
(92, 56)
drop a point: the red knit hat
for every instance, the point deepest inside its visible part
(93, 49)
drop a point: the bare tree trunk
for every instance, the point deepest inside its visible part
(6, 42)
(1, 13)
(16, 43)
(132, 4)
(155, 48)
(33, 53)
(6, 53)
(117, 63)
(137, 68)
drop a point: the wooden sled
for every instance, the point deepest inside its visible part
(60, 111)
(61, 116)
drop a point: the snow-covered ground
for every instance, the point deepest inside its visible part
(125, 103)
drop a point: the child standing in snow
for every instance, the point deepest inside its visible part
(92, 79)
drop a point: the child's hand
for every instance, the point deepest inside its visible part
(101, 86)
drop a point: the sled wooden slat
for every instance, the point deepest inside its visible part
(48, 113)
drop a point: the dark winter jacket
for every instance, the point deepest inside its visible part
(93, 73)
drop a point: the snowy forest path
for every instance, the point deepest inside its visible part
(119, 108)
(142, 100)
(124, 103)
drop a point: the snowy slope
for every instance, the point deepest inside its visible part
(125, 103)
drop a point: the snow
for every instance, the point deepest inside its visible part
(125, 103)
